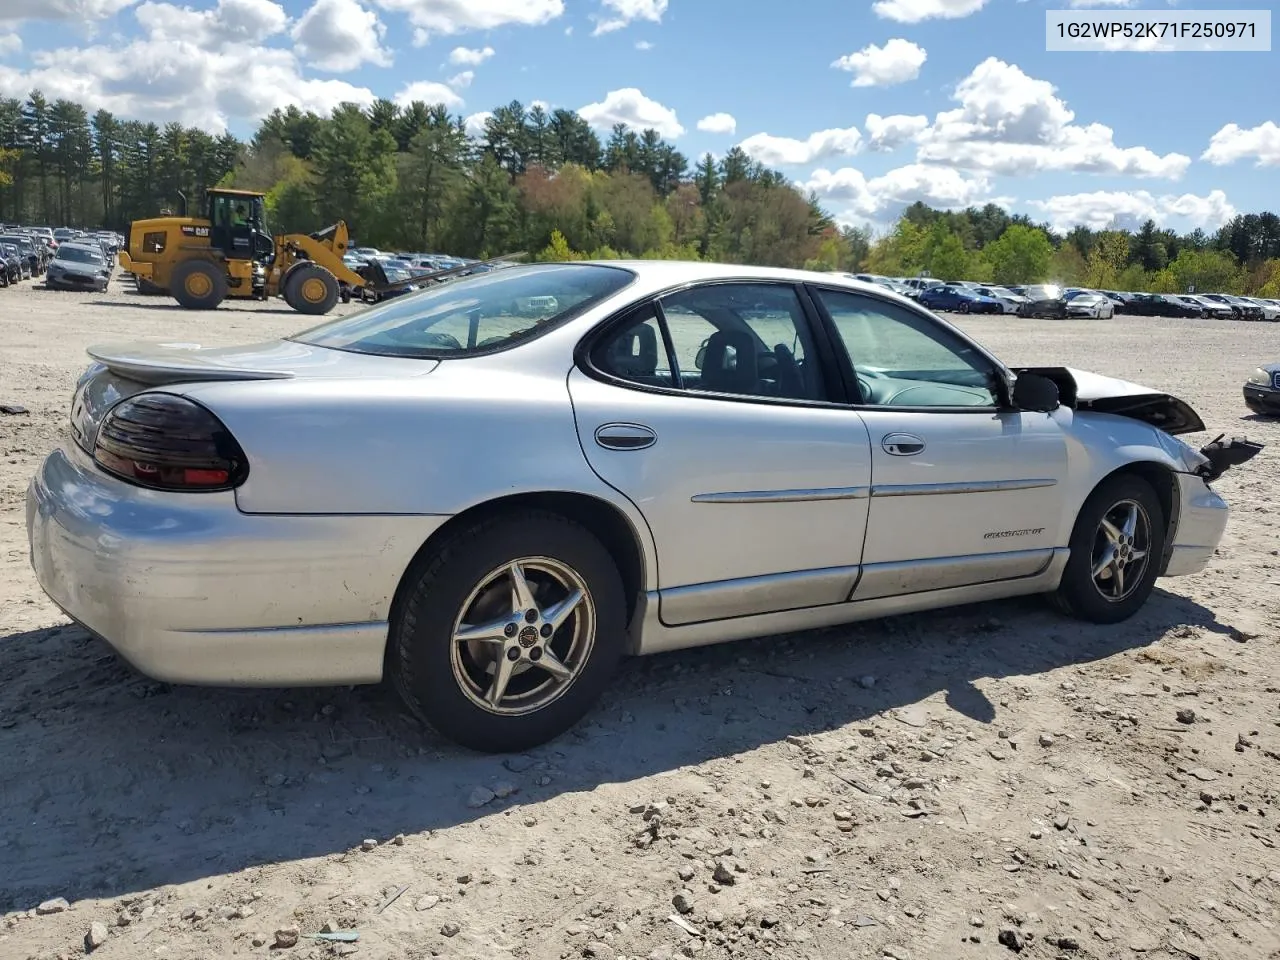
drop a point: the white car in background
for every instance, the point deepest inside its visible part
(1270, 308)
(1009, 301)
(1095, 306)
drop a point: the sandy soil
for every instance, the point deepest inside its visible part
(956, 785)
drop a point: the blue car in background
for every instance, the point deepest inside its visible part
(958, 300)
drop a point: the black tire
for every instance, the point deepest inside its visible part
(420, 656)
(310, 288)
(1079, 594)
(199, 284)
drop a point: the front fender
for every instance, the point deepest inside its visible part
(1100, 444)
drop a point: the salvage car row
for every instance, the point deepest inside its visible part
(73, 263)
(1051, 301)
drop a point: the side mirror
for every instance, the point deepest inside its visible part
(1035, 394)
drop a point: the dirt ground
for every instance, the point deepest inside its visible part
(965, 784)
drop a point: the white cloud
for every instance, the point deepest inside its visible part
(540, 103)
(882, 198)
(896, 62)
(1234, 143)
(784, 151)
(450, 17)
(914, 11)
(643, 45)
(1012, 124)
(475, 124)
(231, 23)
(633, 108)
(429, 92)
(889, 133)
(75, 10)
(469, 57)
(1128, 210)
(10, 44)
(340, 35)
(461, 80)
(718, 123)
(618, 13)
(162, 79)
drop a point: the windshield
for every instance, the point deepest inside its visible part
(1044, 292)
(473, 314)
(78, 255)
(20, 242)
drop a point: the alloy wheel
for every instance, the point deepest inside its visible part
(523, 636)
(1121, 551)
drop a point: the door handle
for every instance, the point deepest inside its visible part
(902, 444)
(625, 436)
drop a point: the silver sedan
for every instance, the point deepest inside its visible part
(493, 490)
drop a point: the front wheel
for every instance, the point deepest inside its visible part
(1116, 551)
(505, 636)
(310, 288)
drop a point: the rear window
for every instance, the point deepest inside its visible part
(479, 314)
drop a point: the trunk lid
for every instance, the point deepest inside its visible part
(121, 370)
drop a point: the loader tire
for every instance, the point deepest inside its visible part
(310, 288)
(199, 284)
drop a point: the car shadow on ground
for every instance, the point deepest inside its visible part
(171, 305)
(115, 783)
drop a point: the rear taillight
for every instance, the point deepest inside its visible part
(167, 442)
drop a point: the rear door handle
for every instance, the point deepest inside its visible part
(625, 436)
(902, 444)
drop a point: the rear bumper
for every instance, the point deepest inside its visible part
(1202, 520)
(190, 590)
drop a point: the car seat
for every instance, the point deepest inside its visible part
(633, 355)
(730, 364)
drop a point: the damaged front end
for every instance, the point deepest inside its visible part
(1222, 456)
(1083, 390)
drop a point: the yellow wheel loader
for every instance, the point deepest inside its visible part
(229, 252)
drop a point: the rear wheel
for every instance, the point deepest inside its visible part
(505, 636)
(1116, 549)
(310, 288)
(199, 284)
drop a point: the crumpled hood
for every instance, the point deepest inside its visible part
(1085, 390)
(80, 269)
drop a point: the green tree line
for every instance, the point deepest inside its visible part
(410, 177)
(988, 244)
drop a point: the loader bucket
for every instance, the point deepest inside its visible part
(373, 272)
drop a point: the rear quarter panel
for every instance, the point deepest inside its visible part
(434, 444)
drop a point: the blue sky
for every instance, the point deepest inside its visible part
(872, 104)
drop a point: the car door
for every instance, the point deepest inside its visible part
(711, 410)
(963, 491)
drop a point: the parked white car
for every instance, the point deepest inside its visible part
(1009, 301)
(1270, 309)
(493, 509)
(1095, 305)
